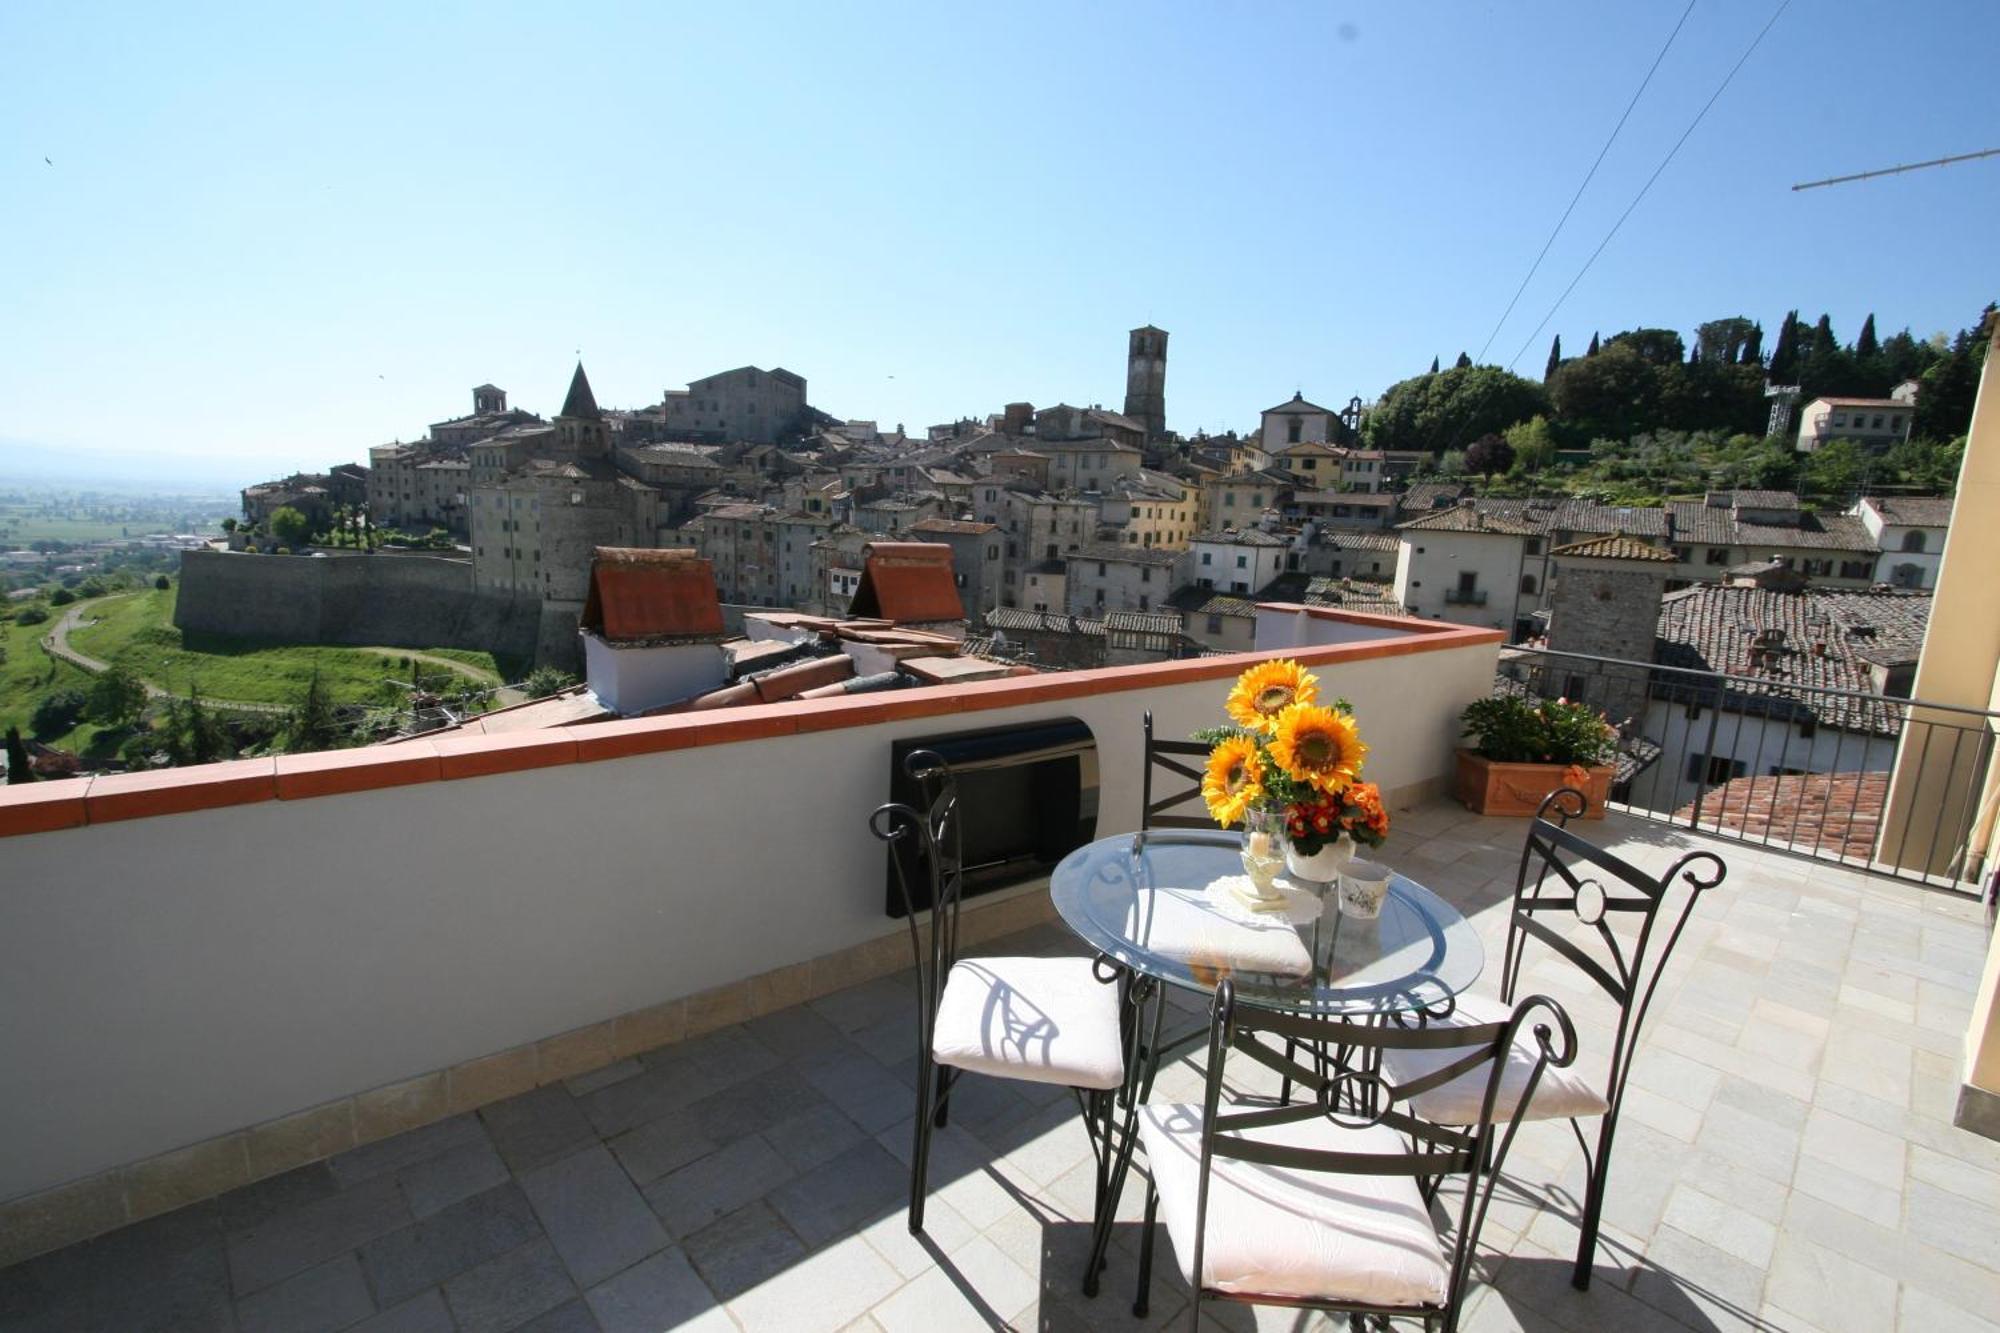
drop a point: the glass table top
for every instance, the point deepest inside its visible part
(1154, 902)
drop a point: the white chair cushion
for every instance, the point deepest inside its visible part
(1562, 1094)
(1046, 1020)
(1274, 1231)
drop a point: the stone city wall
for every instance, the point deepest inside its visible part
(395, 601)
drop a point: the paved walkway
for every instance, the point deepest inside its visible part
(1786, 1162)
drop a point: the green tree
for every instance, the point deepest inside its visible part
(1867, 344)
(1835, 470)
(163, 583)
(1489, 454)
(288, 525)
(92, 587)
(1555, 358)
(1785, 355)
(193, 733)
(1595, 345)
(1615, 393)
(312, 725)
(57, 713)
(31, 615)
(1659, 347)
(117, 697)
(1464, 362)
(1438, 412)
(229, 525)
(1434, 365)
(1534, 445)
(544, 681)
(19, 770)
(1753, 347)
(1721, 341)
(61, 597)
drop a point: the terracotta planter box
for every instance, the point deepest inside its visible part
(1489, 788)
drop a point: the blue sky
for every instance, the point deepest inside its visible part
(271, 236)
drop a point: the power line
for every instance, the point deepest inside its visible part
(1891, 171)
(1587, 178)
(1701, 115)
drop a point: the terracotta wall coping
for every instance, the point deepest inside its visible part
(44, 807)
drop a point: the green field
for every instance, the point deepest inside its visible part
(138, 631)
(28, 676)
(22, 524)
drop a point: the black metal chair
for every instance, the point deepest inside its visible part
(1322, 1204)
(1044, 1020)
(1565, 879)
(1169, 811)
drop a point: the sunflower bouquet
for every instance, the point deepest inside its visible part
(1290, 754)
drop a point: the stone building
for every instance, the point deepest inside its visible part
(759, 406)
(976, 560)
(1240, 499)
(1102, 578)
(543, 499)
(1238, 560)
(1298, 422)
(1606, 603)
(1150, 510)
(1468, 567)
(1146, 379)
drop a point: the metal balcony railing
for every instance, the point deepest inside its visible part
(1465, 597)
(1766, 759)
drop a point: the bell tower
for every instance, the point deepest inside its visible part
(1146, 380)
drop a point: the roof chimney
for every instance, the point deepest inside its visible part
(652, 629)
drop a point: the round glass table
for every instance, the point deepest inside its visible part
(1158, 903)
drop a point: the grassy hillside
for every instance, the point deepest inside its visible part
(138, 631)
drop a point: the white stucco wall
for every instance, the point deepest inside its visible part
(1761, 745)
(169, 979)
(1429, 563)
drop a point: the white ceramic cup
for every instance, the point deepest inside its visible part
(1364, 887)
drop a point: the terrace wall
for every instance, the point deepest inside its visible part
(249, 985)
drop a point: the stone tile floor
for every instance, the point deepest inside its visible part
(1786, 1161)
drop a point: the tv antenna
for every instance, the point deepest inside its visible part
(1895, 171)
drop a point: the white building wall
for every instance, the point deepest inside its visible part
(1429, 565)
(1762, 746)
(158, 995)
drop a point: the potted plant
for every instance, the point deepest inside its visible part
(1527, 748)
(1289, 768)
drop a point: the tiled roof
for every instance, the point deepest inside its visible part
(1242, 537)
(1142, 622)
(1046, 622)
(908, 582)
(1426, 495)
(650, 596)
(1131, 555)
(1755, 499)
(1628, 520)
(1830, 638)
(1466, 518)
(1819, 532)
(1814, 812)
(1199, 601)
(1351, 596)
(1348, 539)
(952, 525)
(1861, 402)
(1913, 511)
(1618, 548)
(1297, 405)
(1699, 524)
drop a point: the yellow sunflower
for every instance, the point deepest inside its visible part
(1319, 746)
(1235, 779)
(1268, 689)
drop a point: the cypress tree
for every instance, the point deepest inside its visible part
(1434, 365)
(1823, 344)
(1866, 344)
(18, 769)
(1753, 346)
(1785, 356)
(1555, 358)
(1594, 344)
(1464, 362)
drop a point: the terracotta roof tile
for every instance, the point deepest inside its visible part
(908, 582)
(1618, 548)
(643, 596)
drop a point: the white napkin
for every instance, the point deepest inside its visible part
(1199, 926)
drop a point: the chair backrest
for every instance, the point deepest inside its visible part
(1359, 1093)
(1182, 781)
(1564, 880)
(927, 857)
